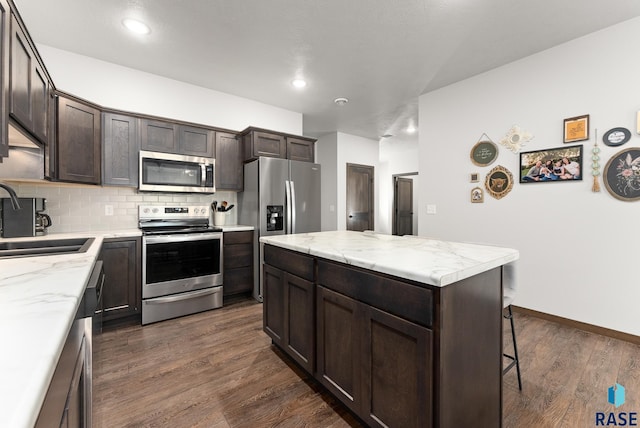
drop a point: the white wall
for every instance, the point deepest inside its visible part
(578, 249)
(395, 158)
(114, 86)
(327, 156)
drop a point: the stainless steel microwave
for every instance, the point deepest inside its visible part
(168, 172)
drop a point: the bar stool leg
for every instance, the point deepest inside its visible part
(515, 358)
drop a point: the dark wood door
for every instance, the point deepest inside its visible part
(78, 142)
(229, 175)
(403, 206)
(300, 334)
(5, 37)
(274, 303)
(339, 353)
(122, 292)
(397, 371)
(195, 141)
(158, 136)
(29, 104)
(120, 148)
(300, 149)
(360, 197)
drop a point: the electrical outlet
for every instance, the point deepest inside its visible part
(431, 209)
(108, 210)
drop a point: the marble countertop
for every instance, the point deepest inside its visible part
(39, 297)
(420, 259)
(236, 228)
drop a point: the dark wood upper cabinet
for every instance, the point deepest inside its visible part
(158, 136)
(196, 141)
(120, 150)
(78, 143)
(229, 174)
(300, 149)
(29, 101)
(260, 142)
(5, 36)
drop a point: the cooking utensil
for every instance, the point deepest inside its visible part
(229, 207)
(214, 205)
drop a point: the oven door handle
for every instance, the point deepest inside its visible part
(183, 296)
(160, 239)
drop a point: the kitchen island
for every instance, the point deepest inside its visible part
(405, 331)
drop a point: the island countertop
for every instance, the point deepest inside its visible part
(430, 261)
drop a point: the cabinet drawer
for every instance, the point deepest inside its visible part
(290, 261)
(399, 298)
(243, 237)
(237, 255)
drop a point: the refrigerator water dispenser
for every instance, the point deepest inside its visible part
(275, 217)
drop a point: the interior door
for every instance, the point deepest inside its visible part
(403, 206)
(360, 197)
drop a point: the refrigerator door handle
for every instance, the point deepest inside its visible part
(287, 190)
(293, 206)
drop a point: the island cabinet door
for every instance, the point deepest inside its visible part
(274, 304)
(289, 315)
(339, 353)
(397, 371)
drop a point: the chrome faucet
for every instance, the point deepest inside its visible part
(12, 194)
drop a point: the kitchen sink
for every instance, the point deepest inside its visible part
(44, 247)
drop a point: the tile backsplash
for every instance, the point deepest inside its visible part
(82, 208)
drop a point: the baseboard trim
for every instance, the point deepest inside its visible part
(580, 325)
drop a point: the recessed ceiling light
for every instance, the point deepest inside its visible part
(136, 26)
(299, 83)
(341, 101)
(411, 129)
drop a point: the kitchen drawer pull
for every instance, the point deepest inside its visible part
(187, 296)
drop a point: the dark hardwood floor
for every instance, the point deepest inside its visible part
(218, 369)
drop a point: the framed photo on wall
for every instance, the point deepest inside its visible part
(549, 165)
(576, 129)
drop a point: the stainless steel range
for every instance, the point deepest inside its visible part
(181, 261)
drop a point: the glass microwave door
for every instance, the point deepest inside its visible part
(172, 173)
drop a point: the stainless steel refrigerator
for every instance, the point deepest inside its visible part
(280, 197)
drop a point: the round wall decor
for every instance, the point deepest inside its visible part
(499, 182)
(616, 136)
(621, 175)
(484, 153)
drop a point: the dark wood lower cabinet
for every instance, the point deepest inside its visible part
(396, 352)
(238, 262)
(122, 292)
(289, 314)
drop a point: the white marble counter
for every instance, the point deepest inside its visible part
(39, 297)
(236, 228)
(425, 260)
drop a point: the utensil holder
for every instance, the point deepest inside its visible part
(219, 218)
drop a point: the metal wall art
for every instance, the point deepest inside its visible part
(621, 175)
(499, 182)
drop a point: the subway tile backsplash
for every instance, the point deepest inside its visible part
(82, 208)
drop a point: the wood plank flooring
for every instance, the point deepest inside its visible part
(218, 369)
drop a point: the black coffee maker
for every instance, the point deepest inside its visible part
(29, 220)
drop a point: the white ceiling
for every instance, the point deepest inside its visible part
(380, 54)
